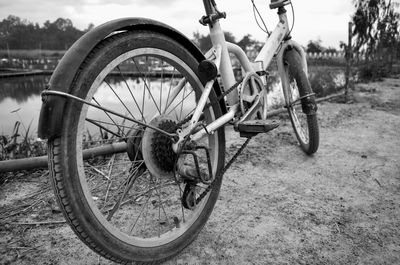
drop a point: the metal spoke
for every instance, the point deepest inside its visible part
(160, 206)
(120, 100)
(161, 83)
(183, 98)
(130, 91)
(129, 183)
(175, 92)
(97, 123)
(147, 87)
(169, 91)
(52, 92)
(141, 211)
(111, 165)
(180, 102)
(132, 178)
(109, 123)
(108, 115)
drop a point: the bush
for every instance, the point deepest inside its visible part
(326, 81)
(372, 71)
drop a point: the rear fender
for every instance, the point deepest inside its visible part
(51, 113)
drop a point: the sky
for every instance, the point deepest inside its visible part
(314, 19)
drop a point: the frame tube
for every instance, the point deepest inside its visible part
(226, 72)
(274, 41)
(200, 105)
(221, 121)
(241, 56)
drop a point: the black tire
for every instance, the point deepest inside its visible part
(305, 124)
(92, 191)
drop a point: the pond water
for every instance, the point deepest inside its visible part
(20, 101)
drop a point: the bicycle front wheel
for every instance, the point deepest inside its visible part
(305, 125)
(116, 202)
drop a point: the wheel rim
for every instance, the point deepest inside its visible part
(298, 118)
(135, 206)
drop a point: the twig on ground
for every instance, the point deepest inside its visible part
(42, 223)
(23, 210)
(377, 181)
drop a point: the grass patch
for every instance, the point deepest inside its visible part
(20, 144)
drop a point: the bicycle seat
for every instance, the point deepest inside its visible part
(278, 3)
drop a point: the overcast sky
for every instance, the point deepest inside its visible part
(315, 19)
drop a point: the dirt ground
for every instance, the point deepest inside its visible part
(277, 205)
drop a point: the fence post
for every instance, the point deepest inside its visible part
(349, 55)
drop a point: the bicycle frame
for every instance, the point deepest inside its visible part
(276, 44)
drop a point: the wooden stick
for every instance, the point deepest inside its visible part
(42, 223)
(41, 161)
(282, 110)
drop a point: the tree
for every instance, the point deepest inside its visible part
(17, 33)
(331, 50)
(376, 26)
(229, 37)
(376, 32)
(90, 27)
(314, 46)
(246, 42)
(204, 41)
(63, 24)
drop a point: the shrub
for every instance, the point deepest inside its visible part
(326, 81)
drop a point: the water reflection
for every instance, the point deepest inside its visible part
(20, 101)
(21, 89)
(20, 98)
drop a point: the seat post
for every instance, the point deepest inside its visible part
(208, 7)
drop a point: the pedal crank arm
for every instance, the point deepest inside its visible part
(257, 105)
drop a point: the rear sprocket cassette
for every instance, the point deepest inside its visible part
(157, 149)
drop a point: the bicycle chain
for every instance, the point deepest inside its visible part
(187, 119)
(227, 166)
(234, 157)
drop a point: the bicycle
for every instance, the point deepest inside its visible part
(134, 115)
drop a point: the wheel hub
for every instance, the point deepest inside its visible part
(157, 149)
(134, 142)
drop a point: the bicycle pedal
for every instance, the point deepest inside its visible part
(253, 127)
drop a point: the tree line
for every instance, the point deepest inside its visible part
(376, 33)
(17, 34)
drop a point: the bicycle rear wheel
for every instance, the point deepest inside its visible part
(305, 125)
(115, 203)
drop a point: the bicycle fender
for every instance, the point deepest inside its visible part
(288, 45)
(51, 113)
(309, 105)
